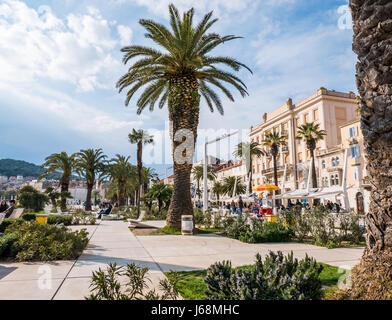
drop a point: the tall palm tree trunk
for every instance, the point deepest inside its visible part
(88, 196)
(372, 279)
(250, 175)
(314, 175)
(63, 203)
(139, 173)
(183, 104)
(275, 170)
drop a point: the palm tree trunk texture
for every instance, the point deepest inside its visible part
(275, 170)
(314, 175)
(121, 194)
(250, 178)
(183, 103)
(88, 196)
(139, 173)
(372, 279)
(63, 204)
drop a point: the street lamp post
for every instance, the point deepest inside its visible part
(205, 164)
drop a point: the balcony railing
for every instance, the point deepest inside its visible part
(285, 149)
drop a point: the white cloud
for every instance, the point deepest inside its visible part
(79, 49)
(220, 7)
(125, 34)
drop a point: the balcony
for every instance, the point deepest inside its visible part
(279, 168)
(365, 183)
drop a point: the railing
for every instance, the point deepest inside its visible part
(285, 149)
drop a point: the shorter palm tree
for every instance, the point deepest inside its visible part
(65, 164)
(198, 174)
(53, 195)
(311, 134)
(89, 164)
(139, 137)
(217, 189)
(121, 173)
(229, 184)
(273, 141)
(247, 151)
(162, 193)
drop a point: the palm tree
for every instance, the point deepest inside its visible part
(160, 192)
(246, 151)
(95, 195)
(148, 175)
(121, 172)
(229, 184)
(311, 134)
(139, 137)
(273, 141)
(372, 40)
(53, 196)
(217, 189)
(180, 75)
(64, 163)
(89, 164)
(198, 174)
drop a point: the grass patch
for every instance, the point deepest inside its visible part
(343, 244)
(175, 232)
(192, 287)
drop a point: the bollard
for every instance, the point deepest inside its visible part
(187, 225)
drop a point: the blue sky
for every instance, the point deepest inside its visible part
(60, 60)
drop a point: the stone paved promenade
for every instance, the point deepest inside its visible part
(111, 241)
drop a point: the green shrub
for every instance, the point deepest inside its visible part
(60, 219)
(257, 231)
(6, 242)
(28, 216)
(81, 217)
(30, 198)
(198, 216)
(9, 221)
(32, 241)
(278, 277)
(106, 285)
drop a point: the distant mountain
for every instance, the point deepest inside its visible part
(11, 167)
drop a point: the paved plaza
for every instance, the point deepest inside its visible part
(112, 241)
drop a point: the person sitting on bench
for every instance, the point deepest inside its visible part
(105, 212)
(9, 211)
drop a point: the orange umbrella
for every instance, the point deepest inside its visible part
(265, 187)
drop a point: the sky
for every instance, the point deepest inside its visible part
(60, 61)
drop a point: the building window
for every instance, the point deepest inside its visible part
(333, 162)
(332, 180)
(357, 173)
(315, 115)
(323, 164)
(360, 202)
(337, 160)
(297, 124)
(336, 180)
(300, 157)
(353, 132)
(306, 118)
(354, 151)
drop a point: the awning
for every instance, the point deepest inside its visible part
(319, 193)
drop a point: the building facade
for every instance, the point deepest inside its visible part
(336, 113)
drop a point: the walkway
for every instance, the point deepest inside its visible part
(111, 241)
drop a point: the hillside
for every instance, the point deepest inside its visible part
(10, 167)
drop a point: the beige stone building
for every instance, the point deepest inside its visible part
(336, 114)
